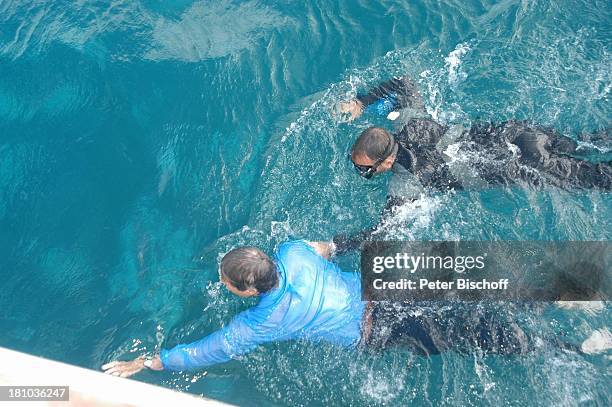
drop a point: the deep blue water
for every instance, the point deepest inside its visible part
(140, 140)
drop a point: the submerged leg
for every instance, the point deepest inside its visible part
(549, 153)
(461, 332)
(573, 172)
(432, 334)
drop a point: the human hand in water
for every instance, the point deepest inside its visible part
(325, 249)
(351, 109)
(129, 368)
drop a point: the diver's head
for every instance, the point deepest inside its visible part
(247, 271)
(374, 152)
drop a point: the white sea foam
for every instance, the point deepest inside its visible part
(599, 341)
(419, 214)
(382, 390)
(590, 307)
(590, 146)
(453, 63)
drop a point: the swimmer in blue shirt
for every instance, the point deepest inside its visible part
(302, 295)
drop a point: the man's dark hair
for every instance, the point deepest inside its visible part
(372, 142)
(249, 267)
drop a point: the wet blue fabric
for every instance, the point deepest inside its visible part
(314, 300)
(383, 106)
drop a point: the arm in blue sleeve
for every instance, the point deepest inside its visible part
(391, 95)
(241, 336)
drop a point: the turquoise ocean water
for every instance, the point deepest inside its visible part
(141, 140)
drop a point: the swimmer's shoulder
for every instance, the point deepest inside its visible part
(295, 250)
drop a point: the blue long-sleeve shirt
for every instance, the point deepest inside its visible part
(314, 300)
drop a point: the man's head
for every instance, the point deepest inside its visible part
(374, 152)
(247, 271)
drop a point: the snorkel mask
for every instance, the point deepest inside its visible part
(368, 171)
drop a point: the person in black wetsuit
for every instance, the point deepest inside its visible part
(425, 155)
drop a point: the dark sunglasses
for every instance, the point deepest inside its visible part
(368, 171)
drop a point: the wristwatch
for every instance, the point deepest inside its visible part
(148, 362)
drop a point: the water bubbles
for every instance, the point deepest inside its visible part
(381, 391)
(280, 230)
(136, 345)
(159, 336)
(453, 63)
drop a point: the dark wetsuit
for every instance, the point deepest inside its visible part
(507, 153)
(430, 332)
(435, 157)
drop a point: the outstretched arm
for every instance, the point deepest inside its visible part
(387, 98)
(239, 337)
(246, 331)
(397, 92)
